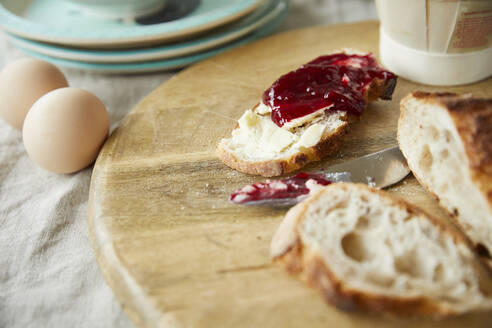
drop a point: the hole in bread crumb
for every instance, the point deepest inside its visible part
(362, 223)
(482, 250)
(365, 223)
(445, 153)
(450, 299)
(392, 218)
(433, 133)
(426, 159)
(447, 135)
(380, 280)
(339, 205)
(438, 273)
(354, 247)
(444, 187)
(407, 264)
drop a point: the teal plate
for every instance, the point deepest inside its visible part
(168, 64)
(55, 21)
(267, 12)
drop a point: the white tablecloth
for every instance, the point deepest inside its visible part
(48, 273)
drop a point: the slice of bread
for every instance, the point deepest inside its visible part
(447, 140)
(366, 250)
(258, 146)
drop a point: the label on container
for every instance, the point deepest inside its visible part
(473, 27)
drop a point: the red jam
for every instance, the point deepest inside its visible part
(338, 79)
(287, 188)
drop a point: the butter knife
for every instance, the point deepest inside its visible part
(381, 169)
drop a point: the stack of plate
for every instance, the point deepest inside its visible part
(184, 32)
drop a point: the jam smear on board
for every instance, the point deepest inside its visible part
(338, 80)
(291, 187)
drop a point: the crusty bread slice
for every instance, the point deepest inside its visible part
(447, 140)
(366, 250)
(269, 150)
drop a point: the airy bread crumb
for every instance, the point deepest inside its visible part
(447, 140)
(364, 249)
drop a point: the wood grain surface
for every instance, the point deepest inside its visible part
(173, 249)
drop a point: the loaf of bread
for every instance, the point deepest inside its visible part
(260, 146)
(366, 250)
(447, 140)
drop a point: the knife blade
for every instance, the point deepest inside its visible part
(381, 169)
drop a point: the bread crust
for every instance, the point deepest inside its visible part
(378, 89)
(311, 268)
(315, 273)
(472, 118)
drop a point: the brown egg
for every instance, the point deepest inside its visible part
(22, 83)
(64, 130)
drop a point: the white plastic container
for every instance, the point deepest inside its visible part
(437, 42)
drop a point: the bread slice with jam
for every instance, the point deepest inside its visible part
(364, 249)
(304, 115)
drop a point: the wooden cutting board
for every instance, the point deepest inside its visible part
(173, 249)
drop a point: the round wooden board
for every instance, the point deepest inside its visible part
(173, 249)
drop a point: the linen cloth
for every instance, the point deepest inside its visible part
(48, 272)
